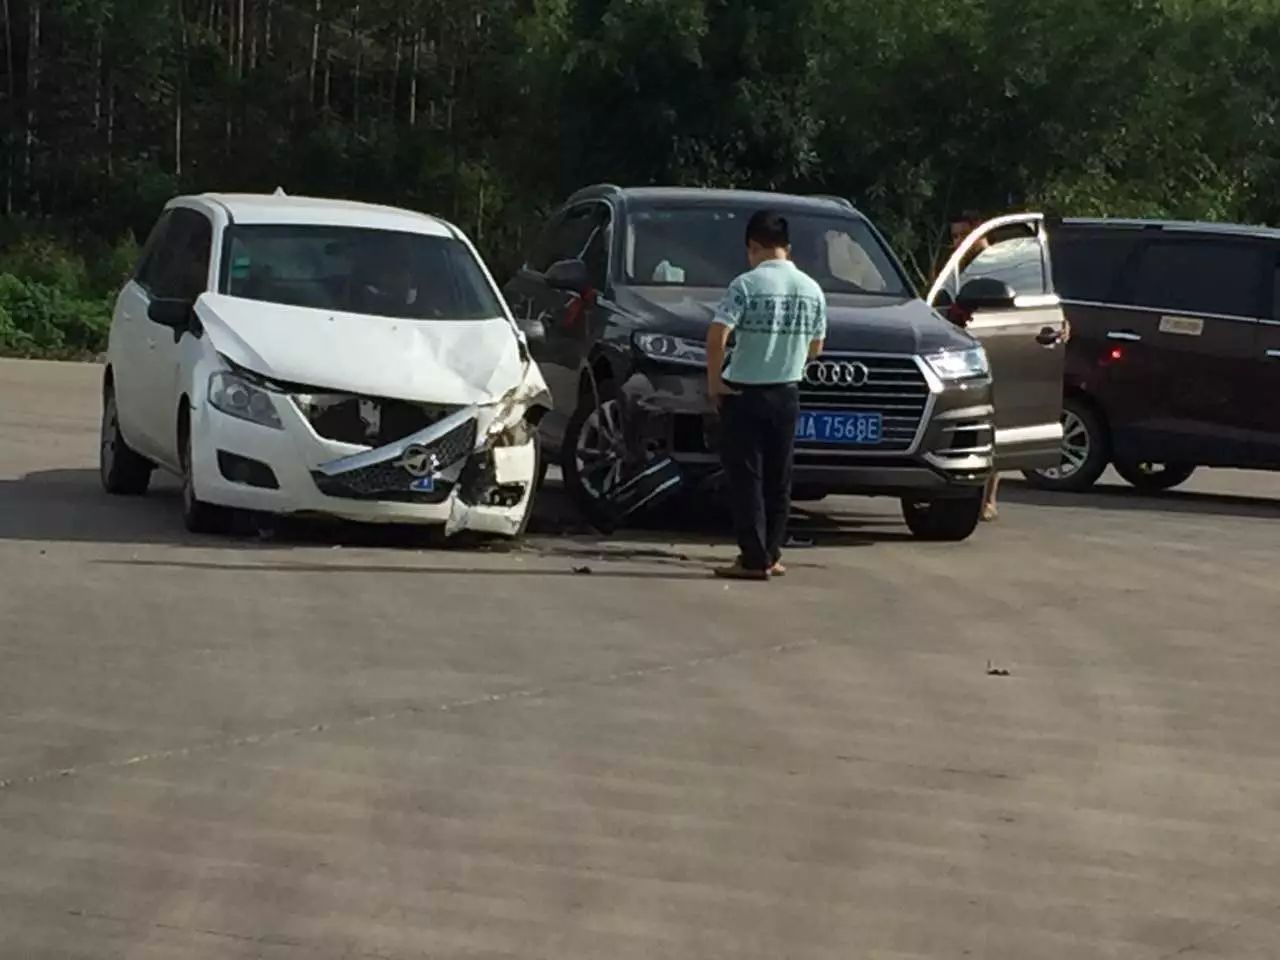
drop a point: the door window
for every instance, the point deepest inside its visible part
(180, 267)
(570, 236)
(1016, 259)
(1088, 265)
(1200, 276)
(596, 252)
(149, 258)
(1275, 298)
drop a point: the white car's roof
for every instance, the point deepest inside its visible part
(281, 209)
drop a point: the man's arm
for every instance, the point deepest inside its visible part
(717, 341)
(728, 312)
(819, 338)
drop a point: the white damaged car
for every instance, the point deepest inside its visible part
(303, 356)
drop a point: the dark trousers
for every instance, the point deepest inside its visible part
(757, 440)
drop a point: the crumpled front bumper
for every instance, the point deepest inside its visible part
(670, 408)
(475, 469)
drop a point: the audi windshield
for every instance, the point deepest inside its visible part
(700, 246)
(382, 273)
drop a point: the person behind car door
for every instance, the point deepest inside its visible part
(778, 317)
(961, 227)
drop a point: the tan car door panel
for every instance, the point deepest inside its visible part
(1025, 342)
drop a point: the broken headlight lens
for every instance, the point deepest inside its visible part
(952, 365)
(237, 396)
(669, 349)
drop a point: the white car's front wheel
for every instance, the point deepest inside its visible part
(123, 472)
(197, 516)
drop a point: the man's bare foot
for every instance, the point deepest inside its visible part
(737, 571)
(778, 570)
(989, 512)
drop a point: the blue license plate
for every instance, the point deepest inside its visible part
(832, 426)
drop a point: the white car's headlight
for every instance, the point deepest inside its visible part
(663, 346)
(951, 365)
(236, 396)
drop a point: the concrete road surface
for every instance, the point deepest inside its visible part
(327, 743)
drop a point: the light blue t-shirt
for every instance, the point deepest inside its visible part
(775, 311)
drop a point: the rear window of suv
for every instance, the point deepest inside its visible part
(381, 273)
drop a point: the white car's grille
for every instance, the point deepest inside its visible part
(369, 421)
(390, 480)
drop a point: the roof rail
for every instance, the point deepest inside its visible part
(594, 190)
(843, 201)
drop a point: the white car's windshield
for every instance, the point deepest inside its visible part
(357, 270)
(701, 246)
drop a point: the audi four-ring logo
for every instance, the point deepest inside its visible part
(836, 373)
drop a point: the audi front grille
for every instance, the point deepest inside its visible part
(892, 386)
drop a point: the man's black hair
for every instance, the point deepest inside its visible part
(769, 229)
(966, 216)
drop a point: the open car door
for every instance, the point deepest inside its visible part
(999, 285)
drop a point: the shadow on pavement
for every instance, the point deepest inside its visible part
(69, 505)
(1127, 498)
(379, 568)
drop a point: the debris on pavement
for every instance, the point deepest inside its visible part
(994, 671)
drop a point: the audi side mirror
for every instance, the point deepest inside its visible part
(170, 312)
(568, 275)
(985, 293)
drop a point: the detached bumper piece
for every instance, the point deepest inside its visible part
(405, 472)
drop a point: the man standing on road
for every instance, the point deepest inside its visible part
(778, 317)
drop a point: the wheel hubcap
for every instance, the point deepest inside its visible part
(599, 451)
(1076, 447)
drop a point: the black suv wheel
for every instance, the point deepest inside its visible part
(591, 454)
(950, 519)
(1153, 476)
(1085, 451)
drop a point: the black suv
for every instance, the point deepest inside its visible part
(1174, 359)
(616, 299)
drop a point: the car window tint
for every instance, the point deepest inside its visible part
(1017, 260)
(596, 252)
(1199, 276)
(834, 257)
(357, 270)
(148, 259)
(1275, 298)
(1088, 265)
(568, 236)
(703, 246)
(182, 259)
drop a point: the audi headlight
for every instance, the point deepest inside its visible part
(951, 365)
(669, 349)
(237, 396)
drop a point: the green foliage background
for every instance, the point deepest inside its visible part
(490, 111)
